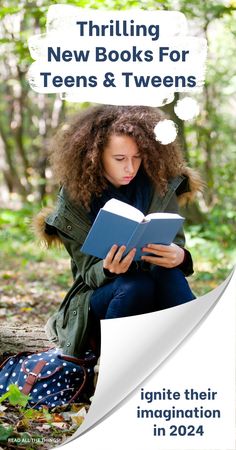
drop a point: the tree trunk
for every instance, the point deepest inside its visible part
(14, 339)
(13, 178)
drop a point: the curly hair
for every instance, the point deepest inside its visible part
(76, 152)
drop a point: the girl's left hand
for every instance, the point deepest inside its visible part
(168, 256)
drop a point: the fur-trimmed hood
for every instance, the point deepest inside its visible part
(39, 226)
(195, 185)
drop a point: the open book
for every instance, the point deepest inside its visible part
(122, 224)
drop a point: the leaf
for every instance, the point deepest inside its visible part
(15, 396)
(5, 433)
(2, 408)
(78, 420)
(47, 416)
(4, 397)
(58, 418)
(76, 407)
(22, 425)
(30, 413)
(43, 427)
(25, 438)
(60, 425)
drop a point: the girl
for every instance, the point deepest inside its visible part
(111, 152)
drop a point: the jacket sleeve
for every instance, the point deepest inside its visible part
(72, 234)
(187, 265)
(88, 267)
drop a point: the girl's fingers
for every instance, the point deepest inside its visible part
(129, 258)
(110, 256)
(114, 261)
(156, 260)
(161, 255)
(158, 249)
(119, 253)
(112, 251)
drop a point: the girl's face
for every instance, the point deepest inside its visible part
(121, 160)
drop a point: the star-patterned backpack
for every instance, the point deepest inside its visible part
(50, 378)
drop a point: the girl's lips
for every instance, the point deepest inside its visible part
(128, 178)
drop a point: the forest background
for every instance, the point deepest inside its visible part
(34, 280)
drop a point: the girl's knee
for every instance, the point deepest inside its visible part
(172, 287)
(136, 285)
(163, 274)
(132, 294)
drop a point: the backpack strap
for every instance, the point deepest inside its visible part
(33, 377)
(75, 396)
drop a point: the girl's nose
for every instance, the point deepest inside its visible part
(129, 168)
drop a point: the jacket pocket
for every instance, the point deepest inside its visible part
(67, 327)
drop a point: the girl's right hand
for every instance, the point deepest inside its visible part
(114, 262)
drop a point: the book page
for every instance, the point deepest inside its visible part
(162, 215)
(123, 209)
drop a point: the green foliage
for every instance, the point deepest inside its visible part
(34, 414)
(16, 232)
(218, 227)
(5, 433)
(212, 261)
(15, 396)
(16, 222)
(17, 239)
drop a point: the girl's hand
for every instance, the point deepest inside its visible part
(114, 262)
(168, 256)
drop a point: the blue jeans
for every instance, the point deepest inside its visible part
(140, 292)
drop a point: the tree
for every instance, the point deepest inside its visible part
(28, 118)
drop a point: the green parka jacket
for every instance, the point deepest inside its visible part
(69, 223)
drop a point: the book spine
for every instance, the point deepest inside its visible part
(135, 238)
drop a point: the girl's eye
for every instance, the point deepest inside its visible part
(122, 159)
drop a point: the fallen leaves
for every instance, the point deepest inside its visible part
(23, 427)
(32, 292)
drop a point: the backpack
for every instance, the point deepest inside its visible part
(51, 378)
